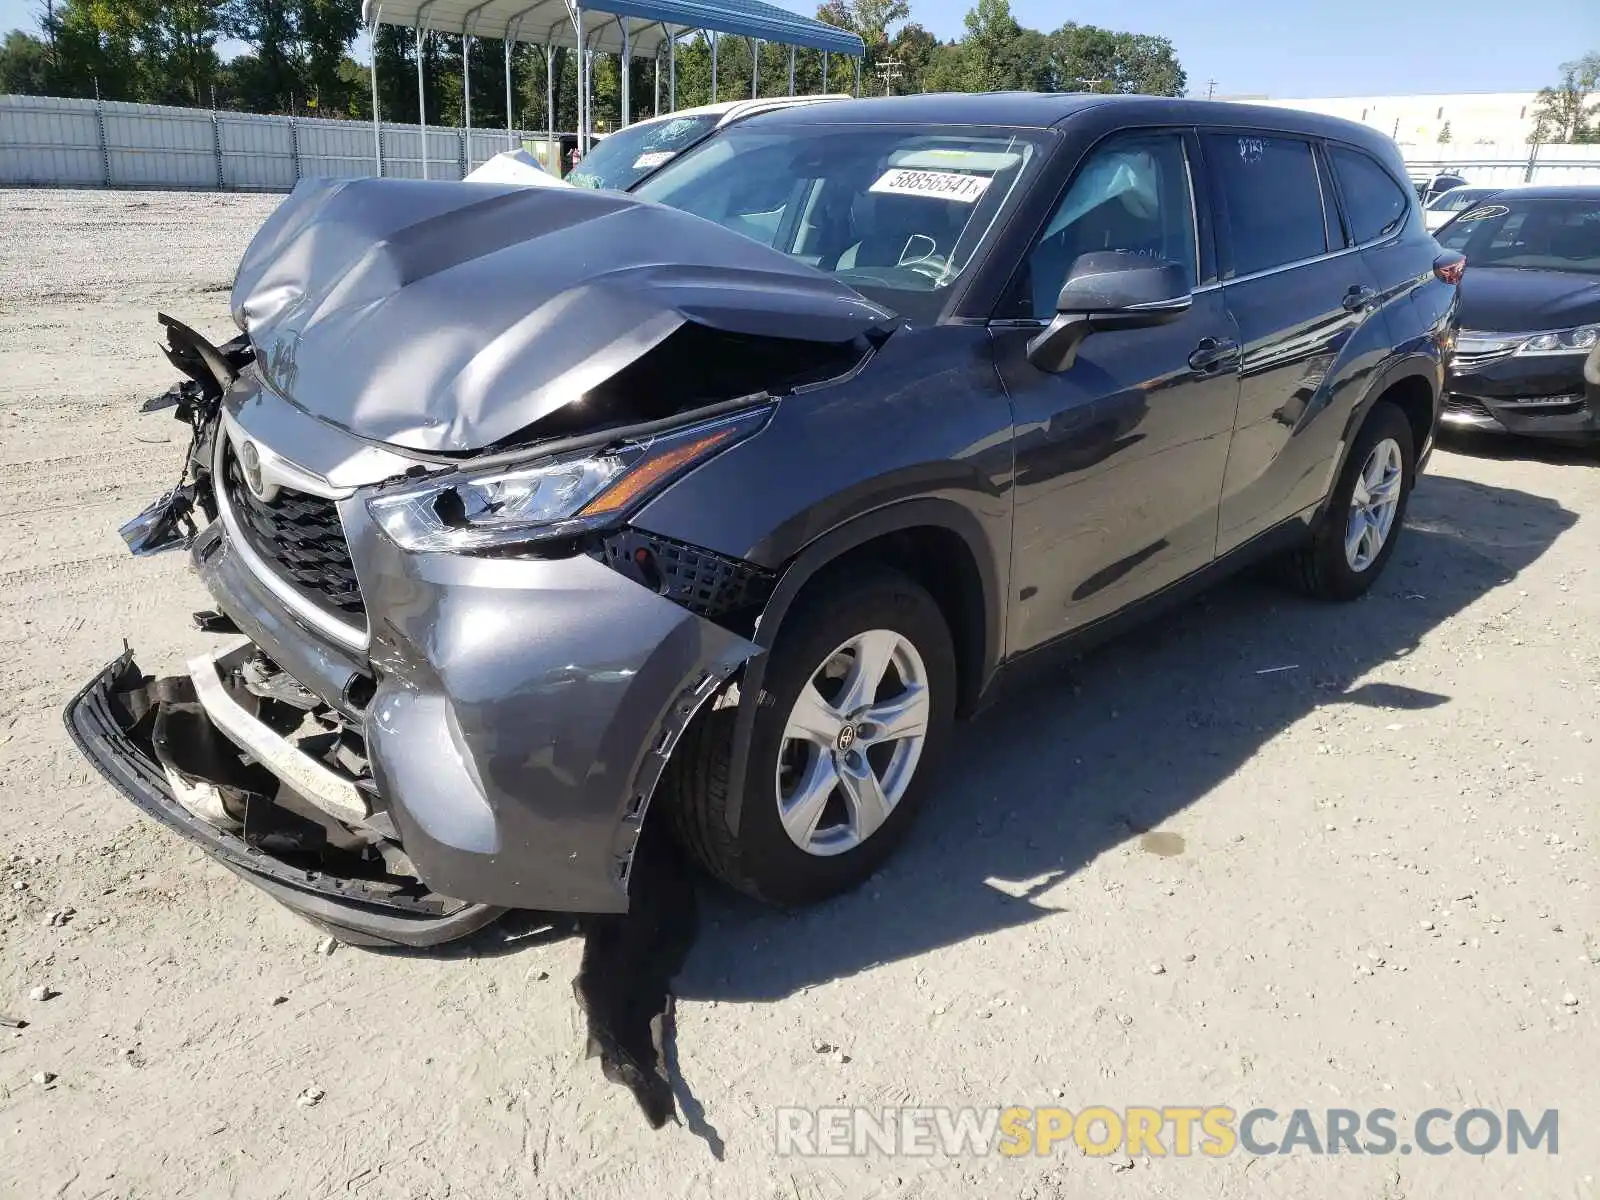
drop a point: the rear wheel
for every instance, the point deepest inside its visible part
(858, 697)
(1356, 534)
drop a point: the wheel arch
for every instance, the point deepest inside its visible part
(925, 538)
(1413, 384)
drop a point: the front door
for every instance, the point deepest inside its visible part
(1119, 458)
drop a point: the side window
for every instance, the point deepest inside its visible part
(1273, 197)
(1132, 193)
(1373, 201)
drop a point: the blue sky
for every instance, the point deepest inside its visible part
(1279, 48)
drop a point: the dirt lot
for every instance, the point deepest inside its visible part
(1385, 895)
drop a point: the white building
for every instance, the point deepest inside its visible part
(1416, 122)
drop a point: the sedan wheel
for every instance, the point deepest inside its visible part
(852, 742)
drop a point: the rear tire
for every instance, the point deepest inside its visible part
(1356, 534)
(811, 823)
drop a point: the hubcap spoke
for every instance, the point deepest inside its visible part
(814, 719)
(804, 809)
(873, 650)
(1354, 536)
(902, 717)
(869, 807)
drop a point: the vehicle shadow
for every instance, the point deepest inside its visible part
(1132, 734)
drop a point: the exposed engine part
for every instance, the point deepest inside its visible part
(263, 677)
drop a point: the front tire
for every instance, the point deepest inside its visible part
(1356, 534)
(857, 699)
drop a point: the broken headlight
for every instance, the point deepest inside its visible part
(484, 509)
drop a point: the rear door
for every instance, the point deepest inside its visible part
(1119, 459)
(1300, 295)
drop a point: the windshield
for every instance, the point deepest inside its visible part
(628, 155)
(1544, 234)
(895, 212)
(1458, 198)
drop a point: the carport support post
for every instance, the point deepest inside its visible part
(511, 142)
(552, 142)
(713, 66)
(377, 124)
(858, 77)
(755, 68)
(672, 74)
(627, 72)
(422, 107)
(466, 90)
(791, 70)
(655, 109)
(824, 72)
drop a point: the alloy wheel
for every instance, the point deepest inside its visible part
(1373, 504)
(852, 742)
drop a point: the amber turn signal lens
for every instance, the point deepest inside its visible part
(651, 471)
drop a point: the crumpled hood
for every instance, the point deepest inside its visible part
(449, 316)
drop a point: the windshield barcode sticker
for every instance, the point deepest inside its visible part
(947, 185)
(652, 159)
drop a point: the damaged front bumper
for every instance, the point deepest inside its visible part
(105, 722)
(494, 744)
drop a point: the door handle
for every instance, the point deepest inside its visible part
(1212, 354)
(1359, 298)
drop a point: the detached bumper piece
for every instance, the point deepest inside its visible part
(216, 765)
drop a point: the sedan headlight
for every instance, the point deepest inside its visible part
(552, 497)
(1580, 340)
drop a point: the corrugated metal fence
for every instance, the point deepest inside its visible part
(56, 142)
(46, 140)
(1508, 162)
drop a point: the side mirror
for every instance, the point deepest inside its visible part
(1108, 290)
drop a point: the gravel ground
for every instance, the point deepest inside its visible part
(1382, 893)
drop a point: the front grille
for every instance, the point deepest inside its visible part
(302, 539)
(1454, 402)
(1473, 360)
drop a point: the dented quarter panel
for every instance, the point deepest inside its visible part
(517, 767)
(441, 317)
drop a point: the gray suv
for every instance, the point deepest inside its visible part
(532, 515)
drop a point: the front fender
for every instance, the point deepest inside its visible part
(524, 712)
(829, 548)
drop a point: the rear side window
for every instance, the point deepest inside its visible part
(1373, 202)
(1270, 188)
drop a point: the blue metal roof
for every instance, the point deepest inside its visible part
(649, 22)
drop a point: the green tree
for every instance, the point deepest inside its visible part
(326, 28)
(24, 65)
(1444, 134)
(989, 51)
(1090, 59)
(1568, 112)
(914, 48)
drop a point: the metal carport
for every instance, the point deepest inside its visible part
(628, 28)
